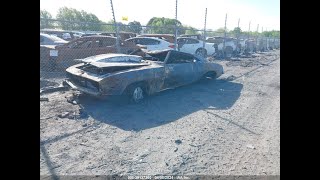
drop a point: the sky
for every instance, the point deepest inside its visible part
(266, 13)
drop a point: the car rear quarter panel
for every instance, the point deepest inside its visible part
(116, 84)
(217, 68)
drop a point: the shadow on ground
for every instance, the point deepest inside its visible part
(164, 107)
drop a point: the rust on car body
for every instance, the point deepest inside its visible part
(102, 76)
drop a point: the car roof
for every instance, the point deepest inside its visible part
(54, 38)
(167, 50)
(154, 38)
(188, 38)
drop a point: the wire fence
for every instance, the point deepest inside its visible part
(60, 49)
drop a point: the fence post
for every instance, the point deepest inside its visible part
(238, 34)
(204, 29)
(176, 31)
(224, 39)
(117, 29)
(257, 37)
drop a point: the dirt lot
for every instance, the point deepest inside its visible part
(229, 126)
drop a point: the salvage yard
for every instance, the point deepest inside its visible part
(228, 126)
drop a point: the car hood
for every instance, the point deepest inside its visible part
(116, 64)
(103, 68)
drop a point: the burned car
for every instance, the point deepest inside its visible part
(135, 77)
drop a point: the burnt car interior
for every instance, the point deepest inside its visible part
(157, 56)
(173, 58)
(177, 58)
(105, 70)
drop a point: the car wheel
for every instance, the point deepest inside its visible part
(201, 52)
(209, 76)
(136, 93)
(228, 52)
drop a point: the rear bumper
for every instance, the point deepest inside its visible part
(83, 89)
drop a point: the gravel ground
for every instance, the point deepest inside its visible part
(229, 126)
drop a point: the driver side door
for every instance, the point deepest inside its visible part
(179, 69)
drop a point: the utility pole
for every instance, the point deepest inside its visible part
(249, 30)
(238, 34)
(267, 47)
(117, 29)
(176, 31)
(225, 34)
(204, 29)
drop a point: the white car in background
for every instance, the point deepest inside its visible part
(151, 43)
(195, 46)
(230, 44)
(46, 39)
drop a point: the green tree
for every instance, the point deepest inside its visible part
(111, 28)
(82, 20)
(235, 32)
(210, 33)
(135, 27)
(190, 30)
(273, 34)
(220, 31)
(164, 26)
(44, 22)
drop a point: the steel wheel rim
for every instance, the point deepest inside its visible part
(137, 94)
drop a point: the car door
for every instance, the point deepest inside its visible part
(198, 68)
(189, 46)
(179, 69)
(151, 44)
(103, 46)
(78, 49)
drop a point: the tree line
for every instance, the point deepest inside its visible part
(85, 21)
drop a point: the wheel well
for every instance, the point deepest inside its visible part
(228, 48)
(210, 74)
(143, 84)
(201, 49)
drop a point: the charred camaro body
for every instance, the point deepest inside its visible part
(136, 76)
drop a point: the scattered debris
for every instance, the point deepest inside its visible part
(178, 141)
(231, 78)
(72, 99)
(63, 115)
(45, 83)
(44, 99)
(51, 89)
(250, 146)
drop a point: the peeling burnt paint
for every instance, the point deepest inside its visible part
(166, 69)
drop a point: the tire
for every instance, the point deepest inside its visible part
(228, 52)
(136, 92)
(201, 52)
